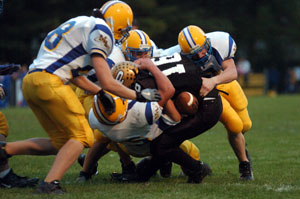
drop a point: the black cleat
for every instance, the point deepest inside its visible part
(128, 173)
(49, 188)
(84, 176)
(246, 171)
(166, 170)
(12, 180)
(80, 161)
(198, 175)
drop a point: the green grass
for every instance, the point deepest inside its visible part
(273, 142)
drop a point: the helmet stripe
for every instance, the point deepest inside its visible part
(188, 37)
(108, 6)
(142, 36)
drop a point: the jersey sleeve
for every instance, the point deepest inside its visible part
(100, 41)
(146, 112)
(223, 45)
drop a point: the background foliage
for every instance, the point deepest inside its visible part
(266, 31)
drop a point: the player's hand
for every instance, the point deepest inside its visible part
(147, 95)
(107, 101)
(2, 92)
(207, 85)
(145, 64)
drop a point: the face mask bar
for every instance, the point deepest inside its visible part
(125, 35)
(132, 53)
(193, 55)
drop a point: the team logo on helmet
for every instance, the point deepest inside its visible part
(125, 72)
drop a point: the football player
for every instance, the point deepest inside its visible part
(220, 47)
(8, 179)
(79, 42)
(138, 45)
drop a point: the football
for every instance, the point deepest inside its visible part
(186, 103)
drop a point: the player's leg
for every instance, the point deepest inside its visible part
(8, 178)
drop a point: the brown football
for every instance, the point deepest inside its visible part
(186, 103)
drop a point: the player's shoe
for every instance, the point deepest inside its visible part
(12, 180)
(84, 176)
(80, 161)
(128, 172)
(49, 188)
(199, 174)
(245, 170)
(166, 170)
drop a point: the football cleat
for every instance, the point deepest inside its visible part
(166, 170)
(245, 170)
(199, 174)
(49, 188)
(127, 172)
(12, 180)
(84, 176)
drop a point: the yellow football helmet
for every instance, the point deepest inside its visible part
(125, 72)
(192, 40)
(116, 117)
(137, 44)
(118, 15)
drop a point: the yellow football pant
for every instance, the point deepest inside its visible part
(235, 115)
(3, 125)
(57, 108)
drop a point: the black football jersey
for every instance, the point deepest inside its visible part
(182, 72)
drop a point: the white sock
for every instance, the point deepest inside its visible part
(4, 173)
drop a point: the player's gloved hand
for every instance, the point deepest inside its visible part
(147, 95)
(108, 102)
(2, 92)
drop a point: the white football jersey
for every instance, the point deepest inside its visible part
(69, 46)
(134, 132)
(114, 58)
(223, 46)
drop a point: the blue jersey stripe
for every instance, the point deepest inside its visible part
(148, 113)
(69, 57)
(110, 62)
(230, 45)
(92, 78)
(104, 29)
(130, 105)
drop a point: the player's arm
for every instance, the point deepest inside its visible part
(86, 84)
(107, 81)
(229, 74)
(171, 111)
(164, 85)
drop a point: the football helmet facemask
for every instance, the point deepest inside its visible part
(118, 15)
(125, 72)
(192, 40)
(110, 118)
(137, 44)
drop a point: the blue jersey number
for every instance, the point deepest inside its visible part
(54, 39)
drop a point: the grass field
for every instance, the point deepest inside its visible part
(273, 142)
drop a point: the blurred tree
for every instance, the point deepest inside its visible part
(267, 32)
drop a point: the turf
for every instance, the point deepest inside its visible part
(273, 142)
